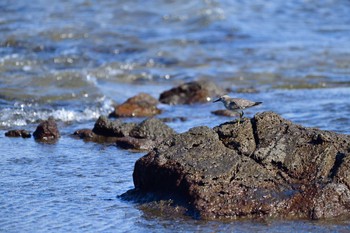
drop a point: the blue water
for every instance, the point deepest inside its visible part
(75, 59)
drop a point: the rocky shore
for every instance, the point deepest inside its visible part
(265, 166)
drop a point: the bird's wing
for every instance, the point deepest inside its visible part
(243, 103)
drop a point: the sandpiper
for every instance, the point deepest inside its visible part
(236, 104)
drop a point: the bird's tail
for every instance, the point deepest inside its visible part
(257, 103)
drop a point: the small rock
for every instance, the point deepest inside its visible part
(141, 105)
(18, 133)
(85, 134)
(47, 131)
(224, 112)
(191, 92)
(142, 136)
(152, 128)
(108, 128)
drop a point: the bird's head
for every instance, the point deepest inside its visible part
(222, 98)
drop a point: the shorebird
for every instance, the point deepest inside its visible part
(236, 104)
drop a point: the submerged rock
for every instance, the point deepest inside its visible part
(18, 133)
(190, 93)
(141, 105)
(47, 131)
(264, 166)
(142, 136)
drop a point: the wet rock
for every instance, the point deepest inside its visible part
(141, 105)
(151, 128)
(18, 133)
(224, 112)
(191, 92)
(86, 134)
(264, 167)
(47, 131)
(142, 136)
(105, 127)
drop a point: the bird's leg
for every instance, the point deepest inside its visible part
(241, 113)
(240, 117)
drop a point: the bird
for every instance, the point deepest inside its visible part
(236, 104)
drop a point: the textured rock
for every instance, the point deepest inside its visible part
(190, 93)
(265, 166)
(105, 127)
(18, 133)
(47, 131)
(141, 105)
(142, 136)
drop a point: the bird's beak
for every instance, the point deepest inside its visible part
(217, 100)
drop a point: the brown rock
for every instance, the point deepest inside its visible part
(141, 105)
(47, 131)
(190, 93)
(18, 133)
(86, 134)
(265, 166)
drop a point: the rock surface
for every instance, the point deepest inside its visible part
(264, 167)
(142, 136)
(141, 105)
(47, 131)
(18, 133)
(190, 93)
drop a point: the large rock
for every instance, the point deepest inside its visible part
(141, 105)
(190, 93)
(47, 131)
(265, 166)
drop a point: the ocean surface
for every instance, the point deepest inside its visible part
(74, 60)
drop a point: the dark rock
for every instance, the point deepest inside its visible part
(141, 105)
(264, 166)
(47, 131)
(224, 112)
(142, 136)
(191, 92)
(18, 133)
(87, 134)
(151, 128)
(108, 128)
